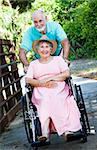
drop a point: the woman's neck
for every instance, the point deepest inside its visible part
(46, 60)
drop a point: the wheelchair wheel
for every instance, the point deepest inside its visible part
(31, 121)
(27, 121)
(82, 109)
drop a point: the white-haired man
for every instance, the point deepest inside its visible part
(44, 29)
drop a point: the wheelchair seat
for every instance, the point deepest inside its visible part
(33, 125)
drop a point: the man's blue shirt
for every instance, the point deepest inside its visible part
(54, 31)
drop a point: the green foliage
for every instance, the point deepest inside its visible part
(13, 25)
(78, 18)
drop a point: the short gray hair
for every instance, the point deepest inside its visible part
(38, 11)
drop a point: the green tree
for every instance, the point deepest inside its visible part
(78, 18)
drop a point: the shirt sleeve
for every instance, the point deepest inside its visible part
(27, 41)
(60, 33)
(63, 65)
(30, 71)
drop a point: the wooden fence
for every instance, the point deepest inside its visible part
(10, 87)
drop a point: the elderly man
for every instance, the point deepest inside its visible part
(44, 29)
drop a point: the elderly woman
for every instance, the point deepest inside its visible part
(51, 93)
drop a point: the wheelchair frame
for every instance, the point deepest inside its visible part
(32, 123)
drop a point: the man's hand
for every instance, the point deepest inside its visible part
(25, 69)
(67, 61)
(44, 37)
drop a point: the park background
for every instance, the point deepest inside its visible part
(77, 17)
(79, 20)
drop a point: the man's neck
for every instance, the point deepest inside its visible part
(43, 32)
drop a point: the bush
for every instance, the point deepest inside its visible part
(78, 18)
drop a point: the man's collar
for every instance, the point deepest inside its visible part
(47, 28)
(37, 31)
(43, 32)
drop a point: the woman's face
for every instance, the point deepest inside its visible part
(44, 50)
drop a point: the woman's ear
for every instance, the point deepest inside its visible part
(38, 51)
(51, 50)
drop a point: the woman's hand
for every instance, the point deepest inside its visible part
(48, 83)
(41, 83)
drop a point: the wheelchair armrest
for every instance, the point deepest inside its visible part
(69, 83)
(68, 80)
(29, 87)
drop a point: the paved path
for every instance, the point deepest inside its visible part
(15, 138)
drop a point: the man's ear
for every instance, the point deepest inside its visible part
(46, 18)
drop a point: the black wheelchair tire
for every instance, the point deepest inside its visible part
(82, 109)
(27, 123)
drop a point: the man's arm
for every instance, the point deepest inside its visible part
(66, 48)
(23, 58)
(61, 36)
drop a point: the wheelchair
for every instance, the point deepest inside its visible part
(33, 125)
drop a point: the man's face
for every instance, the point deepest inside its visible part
(39, 22)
